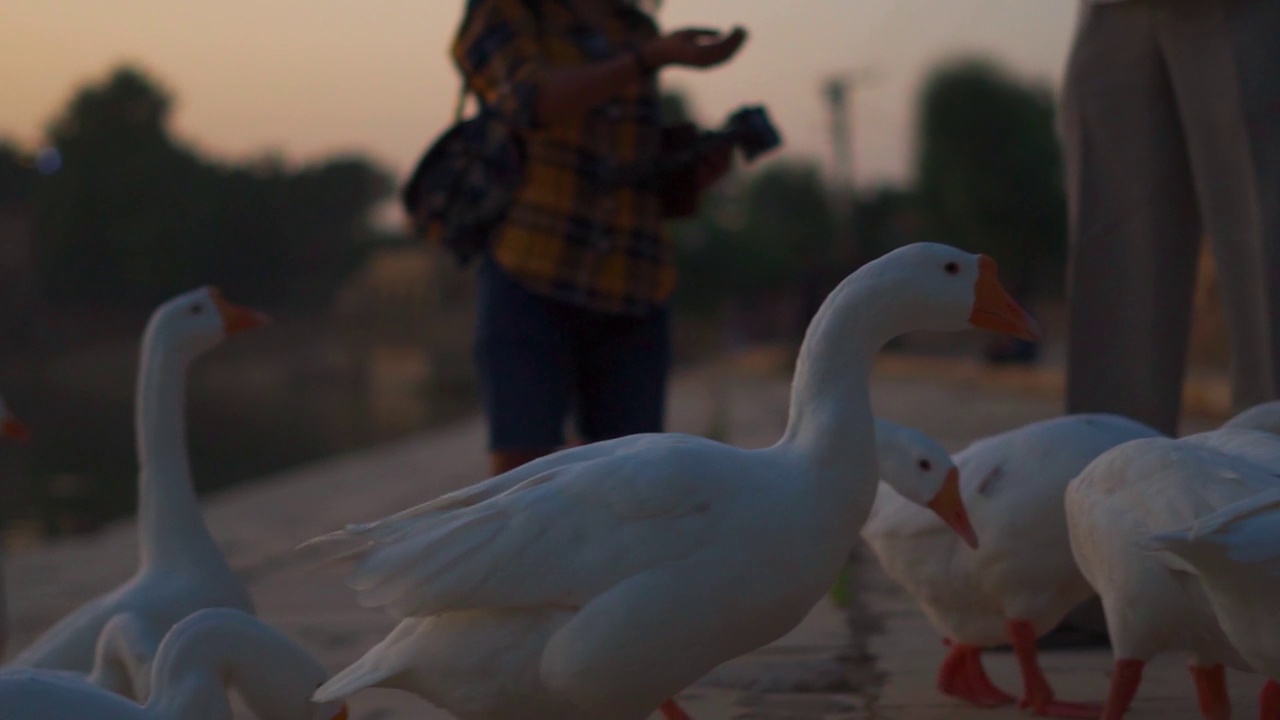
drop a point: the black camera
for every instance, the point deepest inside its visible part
(750, 130)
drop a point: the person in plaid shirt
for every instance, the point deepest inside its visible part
(575, 283)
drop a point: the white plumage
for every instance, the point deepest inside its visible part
(199, 660)
(1155, 604)
(1264, 416)
(181, 569)
(602, 580)
(1022, 579)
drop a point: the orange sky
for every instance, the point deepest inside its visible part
(308, 78)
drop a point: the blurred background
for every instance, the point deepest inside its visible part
(147, 148)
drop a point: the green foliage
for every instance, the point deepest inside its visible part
(754, 237)
(884, 219)
(788, 228)
(760, 238)
(989, 179)
(133, 216)
(989, 173)
(17, 174)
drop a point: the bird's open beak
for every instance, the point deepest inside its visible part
(993, 309)
(948, 506)
(13, 429)
(236, 318)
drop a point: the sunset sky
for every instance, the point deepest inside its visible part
(309, 78)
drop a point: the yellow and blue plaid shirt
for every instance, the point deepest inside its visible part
(574, 232)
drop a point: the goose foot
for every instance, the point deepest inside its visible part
(672, 711)
(1211, 691)
(1125, 678)
(962, 676)
(1269, 701)
(1037, 692)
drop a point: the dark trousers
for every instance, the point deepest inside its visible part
(539, 359)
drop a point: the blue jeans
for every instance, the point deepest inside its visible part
(538, 358)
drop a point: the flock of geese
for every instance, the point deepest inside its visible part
(601, 581)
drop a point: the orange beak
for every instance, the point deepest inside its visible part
(950, 508)
(993, 309)
(342, 713)
(235, 318)
(14, 430)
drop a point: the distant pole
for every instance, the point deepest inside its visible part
(838, 91)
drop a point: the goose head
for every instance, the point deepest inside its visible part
(930, 286)
(922, 471)
(196, 321)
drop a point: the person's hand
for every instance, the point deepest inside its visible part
(715, 164)
(694, 47)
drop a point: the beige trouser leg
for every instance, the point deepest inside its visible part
(1155, 89)
(1168, 119)
(1224, 58)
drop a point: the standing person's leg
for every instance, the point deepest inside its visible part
(622, 369)
(1224, 59)
(1134, 228)
(1134, 231)
(522, 354)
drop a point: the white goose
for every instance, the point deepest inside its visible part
(13, 429)
(1022, 580)
(181, 569)
(1257, 446)
(1264, 416)
(602, 580)
(1154, 605)
(912, 466)
(1236, 551)
(201, 658)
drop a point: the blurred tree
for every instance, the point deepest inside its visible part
(787, 228)
(989, 172)
(706, 251)
(17, 174)
(703, 244)
(19, 289)
(111, 218)
(755, 239)
(884, 219)
(675, 107)
(273, 235)
(129, 216)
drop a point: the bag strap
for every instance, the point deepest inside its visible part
(461, 103)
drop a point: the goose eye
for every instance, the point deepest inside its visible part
(951, 268)
(925, 465)
(197, 309)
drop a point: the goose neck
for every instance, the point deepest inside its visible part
(168, 510)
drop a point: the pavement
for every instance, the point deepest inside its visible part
(874, 658)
